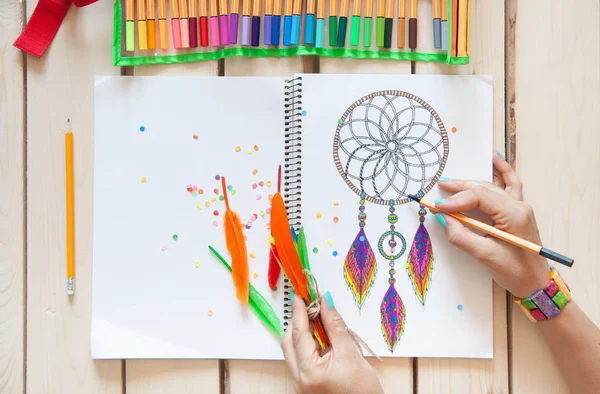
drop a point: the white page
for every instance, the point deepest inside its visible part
(440, 328)
(150, 303)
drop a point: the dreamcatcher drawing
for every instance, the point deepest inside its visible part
(387, 145)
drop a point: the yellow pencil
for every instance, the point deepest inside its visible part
(70, 210)
(142, 25)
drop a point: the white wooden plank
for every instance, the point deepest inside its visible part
(12, 178)
(487, 58)
(557, 101)
(60, 86)
(180, 376)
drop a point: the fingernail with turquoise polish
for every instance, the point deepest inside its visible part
(444, 179)
(440, 201)
(292, 296)
(329, 300)
(441, 219)
(500, 154)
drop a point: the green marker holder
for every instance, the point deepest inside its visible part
(125, 52)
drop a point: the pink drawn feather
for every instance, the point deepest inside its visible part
(393, 316)
(420, 263)
(360, 268)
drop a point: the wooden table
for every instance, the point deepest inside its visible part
(544, 57)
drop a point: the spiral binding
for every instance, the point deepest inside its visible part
(292, 169)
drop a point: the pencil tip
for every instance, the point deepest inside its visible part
(414, 198)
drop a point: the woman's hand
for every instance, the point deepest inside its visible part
(518, 271)
(341, 370)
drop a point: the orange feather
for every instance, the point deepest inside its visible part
(286, 249)
(236, 245)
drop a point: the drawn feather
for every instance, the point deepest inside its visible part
(393, 316)
(420, 263)
(286, 248)
(274, 268)
(236, 245)
(360, 268)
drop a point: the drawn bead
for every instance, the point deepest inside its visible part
(393, 218)
(422, 212)
(393, 243)
(391, 281)
(361, 208)
(362, 216)
(421, 219)
(362, 201)
(392, 227)
(392, 272)
(392, 209)
(361, 224)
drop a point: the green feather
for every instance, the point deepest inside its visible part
(258, 303)
(303, 253)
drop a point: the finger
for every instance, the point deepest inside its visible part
(488, 201)
(288, 352)
(336, 328)
(464, 239)
(302, 339)
(459, 185)
(497, 179)
(513, 185)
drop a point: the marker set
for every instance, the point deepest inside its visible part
(194, 30)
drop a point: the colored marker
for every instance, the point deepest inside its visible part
(355, 32)
(444, 25)
(309, 29)
(287, 23)
(454, 24)
(380, 23)
(295, 35)
(142, 26)
(462, 28)
(402, 23)
(223, 23)
(268, 22)
(333, 33)
(234, 20)
(151, 13)
(193, 24)
(276, 23)
(246, 22)
(163, 29)
(203, 23)
(184, 24)
(341, 41)
(129, 26)
(214, 24)
(388, 26)
(320, 36)
(468, 28)
(412, 25)
(437, 24)
(368, 28)
(256, 23)
(175, 25)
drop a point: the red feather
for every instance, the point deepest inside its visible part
(274, 267)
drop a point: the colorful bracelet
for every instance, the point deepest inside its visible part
(546, 303)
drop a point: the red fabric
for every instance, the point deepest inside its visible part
(44, 23)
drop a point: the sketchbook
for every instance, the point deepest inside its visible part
(351, 147)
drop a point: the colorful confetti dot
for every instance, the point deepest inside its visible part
(254, 217)
(315, 250)
(459, 307)
(249, 151)
(261, 183)
(304, 113)
(175, 237)
(233, 192)
(262, 213)
(207, 204)
(237, 148)
(195, 136)
(254, 186)
(209, 313)
(200, 191)
(144, 179)
(216, 224)
(269, 183)
(259, 197)
(336, 203)
(256, 148)
(339, 121)
(254, 171)
(196, 264)
(268, 210)
(221, 197)
(163, 248)
(217, 177)
(270, 197)
(216, 212)
(199, 206)
(216, 191)
(142, 129)
(268, 226)
(330, 242)
(336, 219)
(252, 255)
(454, 129)
(229, 187)
(213, 199)
(335, 253)
(319, 215)
(255, 275)
(248, 227)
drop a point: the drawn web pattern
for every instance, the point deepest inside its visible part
(390, 144)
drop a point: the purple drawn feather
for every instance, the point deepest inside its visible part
(360, 268)
(392, 317)
(420, 263)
